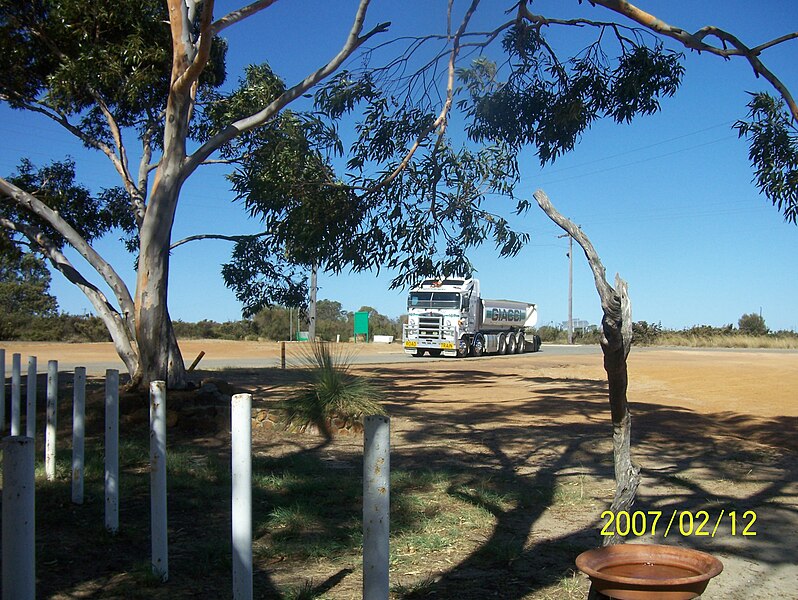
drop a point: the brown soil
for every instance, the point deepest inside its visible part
(713, 431)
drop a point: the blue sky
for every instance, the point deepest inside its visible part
(667, 201)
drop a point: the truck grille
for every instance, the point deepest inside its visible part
(429, 327)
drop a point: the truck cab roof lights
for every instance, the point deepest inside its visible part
(442, 282)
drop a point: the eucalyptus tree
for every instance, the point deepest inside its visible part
(110, 73)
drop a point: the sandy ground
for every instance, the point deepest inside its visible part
(713, 430)
(760, 383)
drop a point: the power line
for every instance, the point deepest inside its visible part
(630, 164)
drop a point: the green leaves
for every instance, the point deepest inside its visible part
(548, 104)
(773, 151)
(259, 87)
(343, 93)
(65, 54)
(90, 215)
(642, 77)
(24, 286)
(67, 49)
(261, 275)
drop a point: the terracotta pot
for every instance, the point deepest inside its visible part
(648, 571)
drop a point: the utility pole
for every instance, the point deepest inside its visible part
(312, 308)
(570, 287)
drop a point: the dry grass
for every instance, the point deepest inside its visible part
(726, 341)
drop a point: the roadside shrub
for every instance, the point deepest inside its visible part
(752, 324)
(211, 330)
(549, 333)
(586, 336)
(274, 323)
(61, 328)
(236, 330)
(645, 333)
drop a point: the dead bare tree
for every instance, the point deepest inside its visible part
(616, 341)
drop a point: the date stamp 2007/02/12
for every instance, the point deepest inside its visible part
(680, 522)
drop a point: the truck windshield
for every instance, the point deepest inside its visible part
(433, 300)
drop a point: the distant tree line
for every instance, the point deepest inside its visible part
(29, 312)
(751, 330)
(27, 309)
(274, 323)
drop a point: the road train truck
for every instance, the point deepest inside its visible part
(449, 317)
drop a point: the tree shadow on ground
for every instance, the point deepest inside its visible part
(560, 428)
(691, 462)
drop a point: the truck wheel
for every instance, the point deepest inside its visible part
(502, 344)
(478, 346)
(511, 347)
(520, 343)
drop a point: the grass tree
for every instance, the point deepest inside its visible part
(333, 392)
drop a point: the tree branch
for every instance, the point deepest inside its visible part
(441, 122)
(235, 16)
(222, 161)
(31, 204)
(353, 42)
(61, 119)
(605, 291)
(616, 342)
(197, 62)
(695, 41)
(120, 165)
(117, 324)
(139, 202)
(218, 236)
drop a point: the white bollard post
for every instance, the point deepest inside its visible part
(376, 506)
(2, 392)
(112, 450)
(16, 394)
(158, 521)
(30, 409)
(19, 524)
(241, 419)
(52, 420)
(78, 433)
